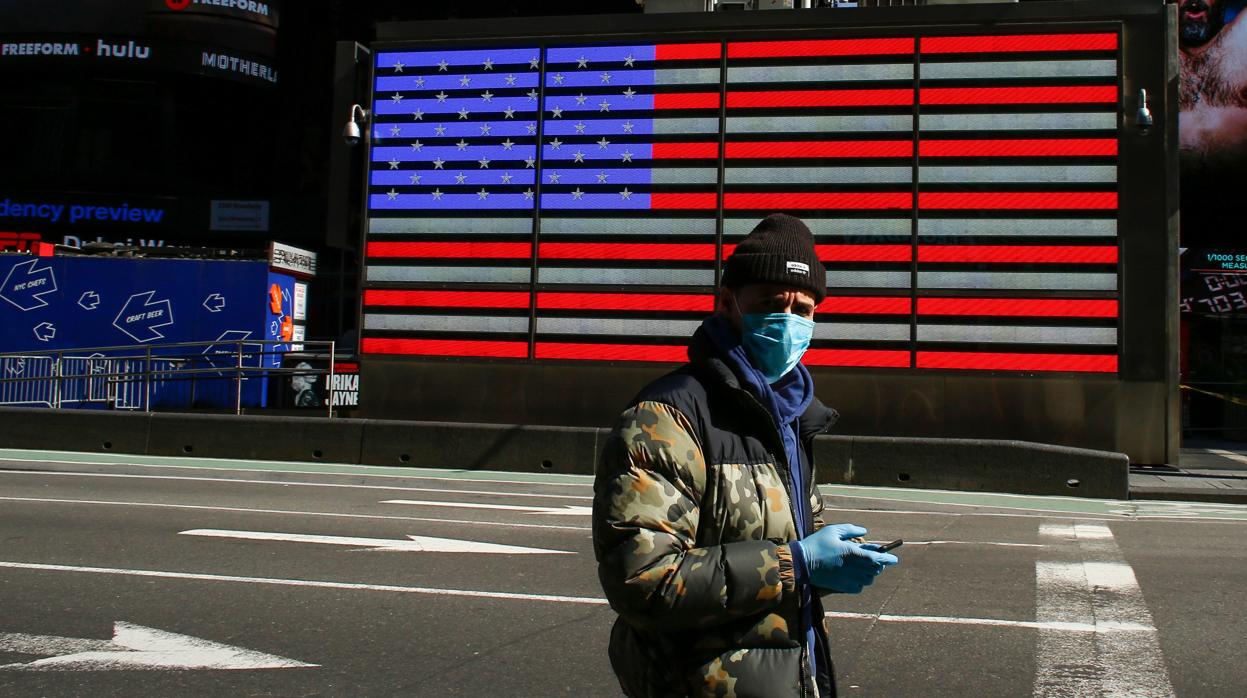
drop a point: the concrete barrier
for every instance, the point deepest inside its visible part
(509, 447)
(87, 431)
(1018, 467)
(258, 438)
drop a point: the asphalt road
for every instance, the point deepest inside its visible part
(286, 569)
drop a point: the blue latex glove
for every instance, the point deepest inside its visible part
(834, 562)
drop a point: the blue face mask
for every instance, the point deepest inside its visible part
(776, 341)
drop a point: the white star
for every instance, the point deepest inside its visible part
(556, 112)
(577, 194)
(627, 157)
(554, 177)
(394, 164)
(441, 96)
(460, 178)
(439, 130)
(580, 98)
(602, 177)
(627, 127)
(528, 194)
(582, 62)
(558, 78)
(510, 79)
(509, 113)
(532, 94)
(397, 98)
(463, 113)
(417, 146)
(506, 145)
(463, 81)
(415, 179)
(603, 143)
(394, 130)
(530, 162)
(437, 194)
(398, 66)
(418, 115)
(606, 77)
(463, 145)
(604, 106)
(580, 157)
(489, 64)
(556, 143)
(483, 194)
(533, 62)
(441, 66)
(485, 129)
(625, 193)
(420, 81)
(487, 96)
(506, 177)
(628, 93)
(580, 127)
(628, 61)
(531, 128)
(391, 194)
(437, 164)
(484, 163)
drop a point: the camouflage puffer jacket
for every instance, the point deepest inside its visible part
(691, 514)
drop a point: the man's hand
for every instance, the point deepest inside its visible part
(835, 562)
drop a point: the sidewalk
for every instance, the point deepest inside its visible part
(1210, 471)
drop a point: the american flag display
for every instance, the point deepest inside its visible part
(570, 202)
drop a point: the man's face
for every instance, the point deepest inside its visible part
(1199, 21)
(765, 298)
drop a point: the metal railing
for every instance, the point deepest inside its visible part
(138, 377)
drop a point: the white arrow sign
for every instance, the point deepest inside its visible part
(568, 510)
(135, 647)
(417, 544)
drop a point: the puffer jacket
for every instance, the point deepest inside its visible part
(691, 515)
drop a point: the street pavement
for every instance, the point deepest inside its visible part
(143, 576)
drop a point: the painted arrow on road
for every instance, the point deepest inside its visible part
(142, 315)
(135, 647)
(568, 510)
(417, 544)
(25, 289)
(45, 331)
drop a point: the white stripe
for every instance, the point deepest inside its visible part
(880, 331)
(344, 469)
(820, 124)
(512, 275)
(1099, 121)
(740, 227)
(551, 225)
(649, 277)
(416, 544)
(1029, 173)
(1100, 588)
(866, 279)
(459, 226)
(819, 73)
(620, 326)
(996, 622)
(997, 70)
(705, 124)
(684, 175)
(1021, 227)
(817, 175)
(445, 323)
(1017, 334)
(687, 76)
(1019, 281)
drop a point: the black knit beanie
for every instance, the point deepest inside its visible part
(779, 250)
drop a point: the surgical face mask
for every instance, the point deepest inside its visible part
(775, 341)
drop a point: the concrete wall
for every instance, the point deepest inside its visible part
(931, 463)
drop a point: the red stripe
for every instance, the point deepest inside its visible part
(446, 299)
(611, 352)
(625, 301)
(1025, 307)
(452, 250)
(1019, 148)
(686, 100)
(819, 47)
(853, 253)
(683, 201)
(856, 357)
(1018, 254)
(445, 347)
(656, 252)
(1080, 94)
(853, 305)
(838, 200)
(1018, 362)
(820, 149)
(1017, 43)
(680, 151)
(821, 98)
(687, 52)
(1105, 201)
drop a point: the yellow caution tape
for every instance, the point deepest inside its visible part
(1228, 398)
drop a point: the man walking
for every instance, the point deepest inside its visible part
(707, 526)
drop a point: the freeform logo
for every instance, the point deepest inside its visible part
(242, 66)
(39, 48)
(258, 8)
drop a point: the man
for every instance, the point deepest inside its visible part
(1213, 55)
(706, 523)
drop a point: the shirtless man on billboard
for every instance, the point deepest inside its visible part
(1213, 96)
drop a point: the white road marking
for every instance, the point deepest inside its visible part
(1087, 580)
(135, 647)
(994, 622)
(292, 512)
(415, 544)
(967, 542)
(555, 511)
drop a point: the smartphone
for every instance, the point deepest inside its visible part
(891, 546)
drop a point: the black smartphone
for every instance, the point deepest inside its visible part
(891, 546)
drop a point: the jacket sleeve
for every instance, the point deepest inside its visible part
(817, 506)
(645, 516)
